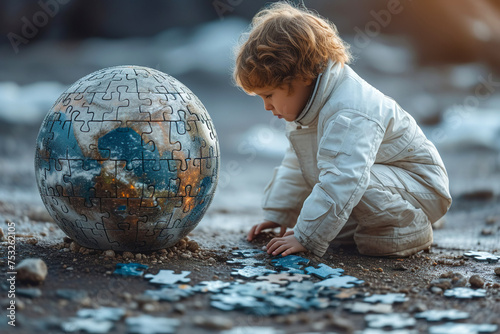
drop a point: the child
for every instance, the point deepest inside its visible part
(358, 167)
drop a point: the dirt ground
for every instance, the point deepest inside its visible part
(70, 267)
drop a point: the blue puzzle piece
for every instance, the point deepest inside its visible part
(171, 293)
(290, 261)
(340, 282)
(168, 277)
(465, 293)
(247, 252)
(88, 325)
(441, 315)
(211, 286)
(248, 261)
(482, 256)
(388, 298)
(146, 324)
(392, 320)
(130, 269)
(456, 328)
(102, 313)
(250, 271)
(324, 271)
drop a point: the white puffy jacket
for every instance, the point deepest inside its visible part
(346, 127)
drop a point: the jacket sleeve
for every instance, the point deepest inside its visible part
(285, 194)
(346, 152)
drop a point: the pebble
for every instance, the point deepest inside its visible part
(213, 322)
(128, 255)
(476, 281)
(138, 256)
(74, 247)
(2, 235)
(436, 290)
(109, 253)
(193, 246)
(497, 271)
(31, 270)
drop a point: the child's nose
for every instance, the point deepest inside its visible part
(268, 106)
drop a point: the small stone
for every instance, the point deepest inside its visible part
(31, 270)
(213, 322)
(436, 290)
(2, 235)
(74, 247)
(151, 307)
(181, 244)
(486, 231)
(138, 256)
(497, 271)
(476, 281)
(193, 246)
(417, 307)
(32, 241)
(109, 253)
(128, 255)
(186, 255)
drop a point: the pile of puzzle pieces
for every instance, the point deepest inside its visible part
(282, 286)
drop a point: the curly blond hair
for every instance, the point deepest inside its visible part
(284, 43)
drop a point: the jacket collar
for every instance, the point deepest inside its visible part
(325, 85)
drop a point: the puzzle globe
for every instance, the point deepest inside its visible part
(127, 159)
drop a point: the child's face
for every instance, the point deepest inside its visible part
(284, 102)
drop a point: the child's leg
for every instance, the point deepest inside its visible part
(395, 214)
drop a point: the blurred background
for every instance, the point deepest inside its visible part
(439, 59)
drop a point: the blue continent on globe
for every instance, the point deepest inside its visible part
(127, 159)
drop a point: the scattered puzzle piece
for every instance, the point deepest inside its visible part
(102, 313)
(441, 315)
(146, 324)
(233, 302)
(455, 328)
(359, 307)
(323, 271)
(393, 320)
(130, 269)
(253, 330)
(283, 278)
(380, 331)
(210, 286)
(250, 271)
(248, 261)
(388, 298)
(465, 293)
(88, 325)
(168, 277)
(290, 261)
(341, 282)
(247, 252)
(482, 256)
(171, 293)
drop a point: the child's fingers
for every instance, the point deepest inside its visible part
(252, 232)
(282, 231)
(272, 245)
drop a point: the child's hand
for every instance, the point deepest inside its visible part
(286, 245)
(256, 229)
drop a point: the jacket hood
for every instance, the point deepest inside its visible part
(325, 85)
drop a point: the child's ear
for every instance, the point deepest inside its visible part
(308, 82)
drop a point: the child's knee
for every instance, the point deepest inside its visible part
(394, 241)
